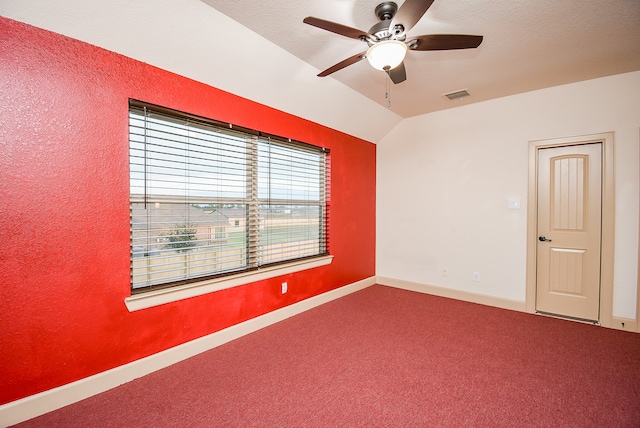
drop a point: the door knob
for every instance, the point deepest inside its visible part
(542, 239)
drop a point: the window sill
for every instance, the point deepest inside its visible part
(168, 295)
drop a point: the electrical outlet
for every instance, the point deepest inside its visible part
(445, 272)
(476, 276)
(285, 287)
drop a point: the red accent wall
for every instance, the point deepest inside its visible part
(64, 212)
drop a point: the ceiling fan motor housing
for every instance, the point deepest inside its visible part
(380, 31)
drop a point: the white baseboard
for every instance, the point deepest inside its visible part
(453, 294)
(47, 401)
(618, 323)
(626, 324)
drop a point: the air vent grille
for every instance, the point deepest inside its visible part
(455, 95)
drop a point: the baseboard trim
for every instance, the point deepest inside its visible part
(626, 324)
(47, 401)
(453, 294)
(618, 323)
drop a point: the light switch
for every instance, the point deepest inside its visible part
(514, 204)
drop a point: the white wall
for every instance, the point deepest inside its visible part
(445, 178)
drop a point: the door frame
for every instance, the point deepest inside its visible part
(608, 219)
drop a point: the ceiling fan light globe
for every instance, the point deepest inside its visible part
(387, 54)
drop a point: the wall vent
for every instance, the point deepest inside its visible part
(455, 95)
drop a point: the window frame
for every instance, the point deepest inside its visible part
(151, 295)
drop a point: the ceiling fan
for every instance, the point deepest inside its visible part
(387, 40)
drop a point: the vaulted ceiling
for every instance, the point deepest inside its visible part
(528, 44)
(263, 51)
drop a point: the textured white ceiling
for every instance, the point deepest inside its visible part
(194, 40)
(528, 44)
(261, 50)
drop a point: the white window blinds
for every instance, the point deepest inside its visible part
(210, 199)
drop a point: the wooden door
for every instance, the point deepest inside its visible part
(569, 231)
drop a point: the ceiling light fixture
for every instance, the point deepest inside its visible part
(387, 54)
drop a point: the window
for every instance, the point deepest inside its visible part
(191, 177)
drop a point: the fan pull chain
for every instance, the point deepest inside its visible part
(387, 94)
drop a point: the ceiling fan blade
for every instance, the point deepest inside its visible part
(443, 42)
(409, 14)
(398, 74)
(343, 30)
(343, 64)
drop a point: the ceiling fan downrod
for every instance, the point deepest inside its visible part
(385, 11)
